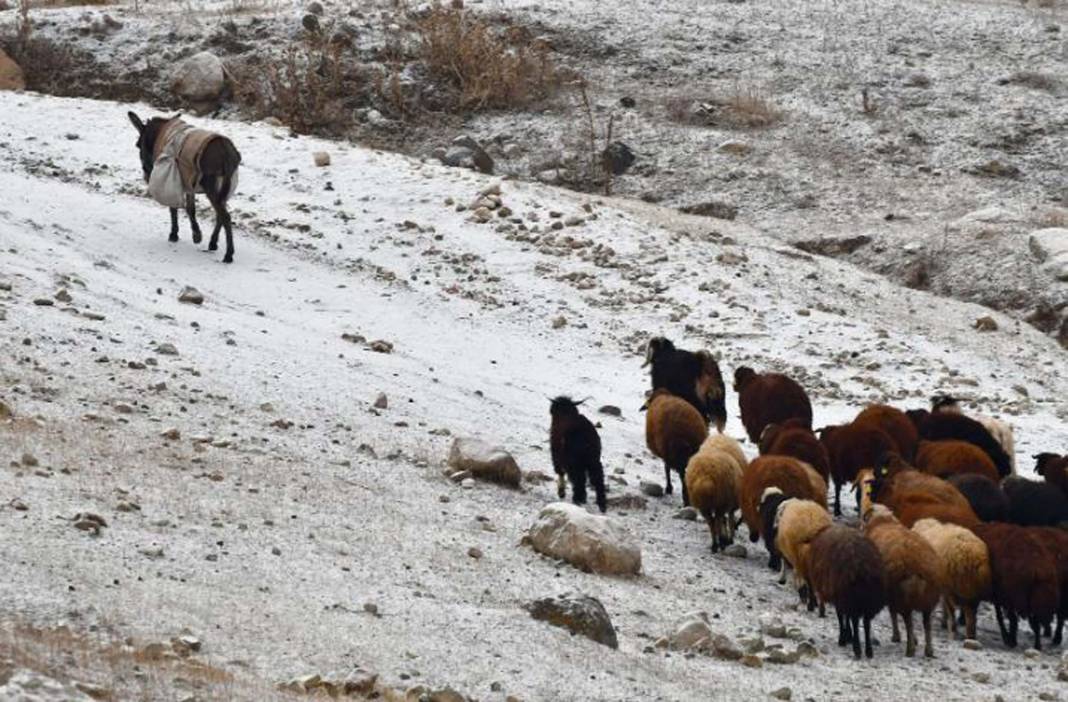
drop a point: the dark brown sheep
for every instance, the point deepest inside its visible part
(988, 500)
(912, 496)
(790, 439)
(938, 426)
(792, 477)
(1056, 541)
(852, 448)
(896, 424)
(769, 398)
(1025, 582)
(952, 457)
(846, 570)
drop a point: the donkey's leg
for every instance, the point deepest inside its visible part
(222, 217)
(174, 225)
(213, 243)
(191, 212)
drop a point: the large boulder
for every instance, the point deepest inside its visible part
(484, 462)
(11, 77)
(466, 152)
(1050, 246)
(200, 79)
(592, 543)
(580, 614)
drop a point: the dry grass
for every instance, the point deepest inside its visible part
(110, 669)
(743, 107)
(482, 69)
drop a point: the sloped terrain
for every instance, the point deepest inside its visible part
(256, 496)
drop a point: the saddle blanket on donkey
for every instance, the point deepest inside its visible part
(176, 171)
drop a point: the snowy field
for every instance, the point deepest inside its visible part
(289, 502)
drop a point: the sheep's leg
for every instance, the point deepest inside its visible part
(669, 488)
(969, 620)
(1014, 627)
(855, 624)
(174, 225)
(597, 479)
(896, 637)
(1047, 629)
(685, 492)
(867, 637)
(782, 573)
(561, 486)
(910, 635)
(1036, 629)
(843, 628)
(837, 499)
(713, 530)
(1059, 631)
(928, 649)
(191, 213)
(949, 613)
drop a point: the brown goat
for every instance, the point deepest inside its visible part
(793, 477)
(953, 457)
(851, 448)
(769, 398)
(895, 423)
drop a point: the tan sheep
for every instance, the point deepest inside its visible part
(913, 574)
(674, 431)
(797, 523)
(722, 442)
(713, 483)
(965, 567)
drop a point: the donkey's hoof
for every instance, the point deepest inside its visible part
(213, 246)
(172, 238)
(228, 259)
(197, 237)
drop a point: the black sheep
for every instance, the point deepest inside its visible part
(769, 508)
(938, 426)
(1032, 503)
(576, 452)
(693, 376)
(986, 497)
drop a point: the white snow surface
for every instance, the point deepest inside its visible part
(368, 246)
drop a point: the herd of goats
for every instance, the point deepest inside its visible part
(943, 515)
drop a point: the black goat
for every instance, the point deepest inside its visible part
(576, 452)
(693, 376)
(939, 426)
(212, 166)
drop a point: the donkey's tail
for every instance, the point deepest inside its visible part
(226, 182)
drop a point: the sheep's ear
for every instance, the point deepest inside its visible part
(136, 122)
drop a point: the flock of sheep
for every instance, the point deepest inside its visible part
(944, 517)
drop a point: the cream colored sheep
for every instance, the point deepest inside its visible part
(965, 567)
(796, 524)
(713, 483)
(722, 442)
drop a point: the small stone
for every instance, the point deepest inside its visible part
(736, 148)
(736, 551)
(973, 645)
(772, 625)
(380, 346)
(43, 302)
(687, 514)
(579, 614)
(321, 158)
(559, 322)
(62, 295)
(123, 408)
(611, 410)
(981, 677)
(726, 649)
(275, 551)
(172, 434)
(751, 661)
(191, 296)
(370, 608)
(381, 402)
(1032, 653)
(807, 648)
(781, 657)
(460, 476)
(359, 682)
(650, 488)
(691, 632)
(29, 460)
(783, 693)
(986, 324)
(167, 349)
(474, 552)
(18, 505)
(468, 483)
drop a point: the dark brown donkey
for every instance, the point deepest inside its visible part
(215, 168)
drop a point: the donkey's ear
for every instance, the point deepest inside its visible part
(136, 121)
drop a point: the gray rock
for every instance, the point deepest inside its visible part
(973, 645)
(1050, 247)
(712, 208)
(783, 693)
(627, 501)
(736, 551)
(310, 22)
(167, 349)
(191, 295)
(651, 488)
(611, 410)
(579, 614)
(617, 158)
(691, 632)
(465, 152)
(687, 514)
(592, 543)
(484, 461)
(21, 685)
(315, 8)
(772, 625)
(833, 246)
(381, 402)
(201, 78)
(726, 649)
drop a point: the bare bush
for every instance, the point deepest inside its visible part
(307, 87)
(484, 70)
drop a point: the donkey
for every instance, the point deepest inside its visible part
(213, 171)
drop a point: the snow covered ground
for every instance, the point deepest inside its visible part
(289, 501)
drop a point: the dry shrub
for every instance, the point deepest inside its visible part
(306, 88)
(483, 69)
(1035, 80)
(741, 108)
